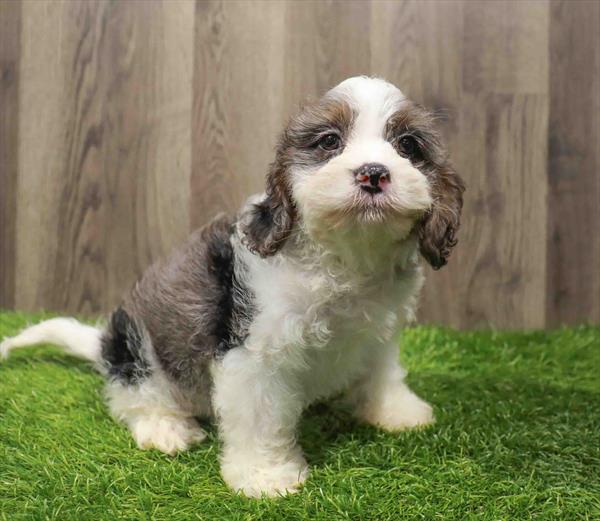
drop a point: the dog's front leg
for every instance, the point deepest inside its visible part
(382, 398)
(258, 411)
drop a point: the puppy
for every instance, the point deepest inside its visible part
(297, 298)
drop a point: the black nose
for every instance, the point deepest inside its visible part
(371, 176)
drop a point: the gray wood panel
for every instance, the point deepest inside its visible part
(573, 254)
(238, 86)
(105, 147)
(326, 43)
(127, 124)
(10, 44)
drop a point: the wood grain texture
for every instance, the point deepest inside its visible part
(418, 45)
(574, 164)
(319, 53)
(238, 96)
(506, 285)
(502, 152)
(506, 46)
(103, 107)
(10, 48)
(126, 124)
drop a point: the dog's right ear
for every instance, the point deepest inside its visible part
(269, 222)
(437, 231)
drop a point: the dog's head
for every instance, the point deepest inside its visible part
(363, 156)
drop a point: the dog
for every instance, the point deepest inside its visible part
(297, 298)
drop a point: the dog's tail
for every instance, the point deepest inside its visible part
(74, 337)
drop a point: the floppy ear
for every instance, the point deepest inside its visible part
(270, 221)
(438, 228)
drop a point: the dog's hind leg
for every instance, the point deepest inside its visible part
(140, 395)
(155, 418)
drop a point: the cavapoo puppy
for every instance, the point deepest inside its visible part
(297, 298)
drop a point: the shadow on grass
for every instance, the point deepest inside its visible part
(32, 356)
(510, 428)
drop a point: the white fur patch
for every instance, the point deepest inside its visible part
(76, 338)
(154, 415)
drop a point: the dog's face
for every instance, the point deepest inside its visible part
(363, 156)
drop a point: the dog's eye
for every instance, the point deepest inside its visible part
(408, 146)
(329, 142)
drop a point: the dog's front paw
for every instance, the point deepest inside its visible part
(169, 434)
(400, 409)
(264, 479)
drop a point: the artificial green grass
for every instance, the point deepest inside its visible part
(517, 437)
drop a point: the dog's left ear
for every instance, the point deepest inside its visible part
(270, 221)
(438, 228)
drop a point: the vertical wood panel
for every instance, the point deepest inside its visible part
(418, 46)
(41, 144)
(327, 42)
(574, 164)
(10, 43)
(238, 96)
(506, 84)
(104, 106)
(506, 285)
(506, 47)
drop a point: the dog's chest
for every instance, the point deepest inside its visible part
(357, 327)
(325, 331)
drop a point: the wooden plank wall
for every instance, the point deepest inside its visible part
(10, 42)
(125, 124)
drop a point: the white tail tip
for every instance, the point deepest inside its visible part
(74, 337)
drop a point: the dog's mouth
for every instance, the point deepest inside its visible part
(378, 205)
(372, 197)
(371, 189)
